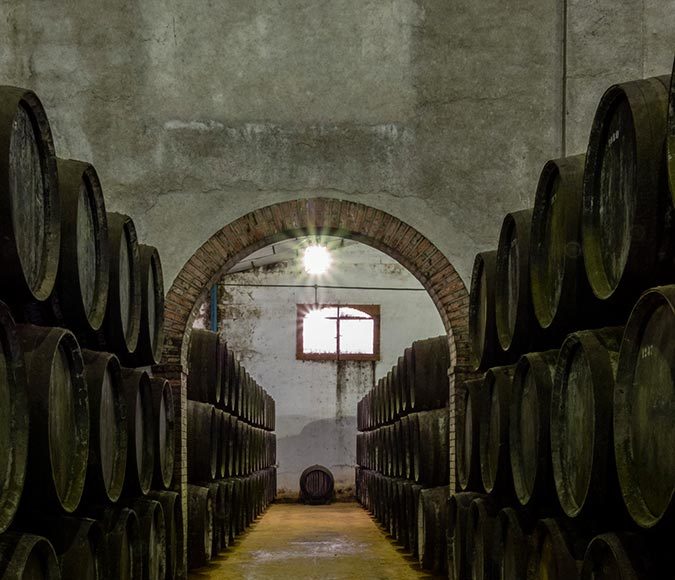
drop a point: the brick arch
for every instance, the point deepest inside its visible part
(334, 217)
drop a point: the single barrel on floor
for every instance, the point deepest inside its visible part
(316, 485)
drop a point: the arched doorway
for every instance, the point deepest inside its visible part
(298, 218)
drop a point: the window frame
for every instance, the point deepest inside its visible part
(373, 310)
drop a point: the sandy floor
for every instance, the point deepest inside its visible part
(294, 541)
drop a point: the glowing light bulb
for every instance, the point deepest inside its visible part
(317, 260)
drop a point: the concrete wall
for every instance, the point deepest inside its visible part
(440, 112)
(316, 401)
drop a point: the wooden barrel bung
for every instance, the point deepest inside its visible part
(82, 284)
(529, 433)
(317, 484)
(14, 418)
(173, 521)
(151, 329)
(140, 428)
(205, 367)
(644, 407)
(582, 446)
(27, 556)
(485, 349)
(202, 435)
(108, 440)
(153, 537)
(59, 419)
(469, 405)
(554, 553)
(517, 327)
(559, 288)
(495, 459)
(164, 420)
(200, 525)
(29, 198)
(626, 204)
(123, 312)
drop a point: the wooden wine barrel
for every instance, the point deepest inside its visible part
(428, 381)
(626, 240)
(29, 199)
(244, 381)
(561, 296)
(555, 553)
(469, 406)
(411, 499)
(644, 406)
(481, 526)
(164, 420)
(430, 451)
(230, 373)
(108, 439)
(222, 459)
(404, 387)
(202, 434)
(316, 484)
(200, 525)
(512, 544)
(59, 419)
(141, 432)
(78, 544)
(81, 294)
(432, 519)
(26, 556)
(225, 515)
(122, 540)
(459, 566)
(205, 367)
(14, 422)
(123, 310)
(529, 433)
(151, 326)
(173, 522)
(627, 557)
(495, 459)
(396, 391)
(485, 349)
(219, 514)
(517, 326)
(582, 447)
(153, 537)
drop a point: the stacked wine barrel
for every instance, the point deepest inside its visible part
(565, 455)
(86, 437)
(231, 447)
(402, 450)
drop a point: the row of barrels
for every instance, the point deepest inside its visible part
(418, 382)
(135, 540)
(66, 261)
(600, 233)
(220, 445)
(414, 515)
(415, 447)
(216, 376)
(587, 427)
(486, 541)
(76, 426)
(219, 511)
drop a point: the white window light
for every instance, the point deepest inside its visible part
(317, 260)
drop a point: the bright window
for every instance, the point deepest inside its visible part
(338, 332)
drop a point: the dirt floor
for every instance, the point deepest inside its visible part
(294, 541)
